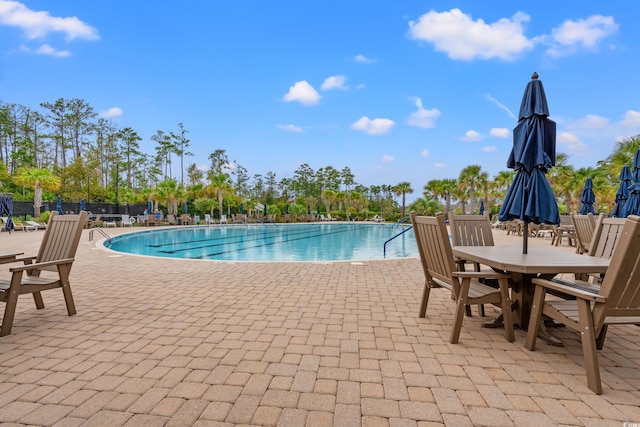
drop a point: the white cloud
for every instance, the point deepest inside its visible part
(362, 59)
(501, 106)
(45, 49)
(581, 34)
(290, 128)
(440, 165)
(471, 135)
(387, 158)
(571, 141)
(631, 119)
(335, 82)
(111, 112)
(500, 132)
(489, 149)
(360, 86)
(302, 92)
(425, 153)
(40, 24)
(423, 118)
(460, 37)
(589, 122)
(373, 127)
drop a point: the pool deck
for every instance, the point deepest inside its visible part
(180, 342)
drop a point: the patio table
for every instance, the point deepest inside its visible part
(6, 257)
(538, 262)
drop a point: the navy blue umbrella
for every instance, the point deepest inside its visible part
(149, 206)
(265, 210)
(83, 205)
(286, 208)
(632, 205)
(242, 208)
(185, 208)
(59, 205)
(6, 211)
(623, 191)
(481, 207)
(530, 197)
(588, 198)
(308, 209)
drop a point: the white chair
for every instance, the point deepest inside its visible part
(207, 219)
(127, 220)
(108, 224)
(196, 219)
(223, 219)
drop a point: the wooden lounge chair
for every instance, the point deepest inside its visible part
(583, 226)
(470, 230)
(56, 254)
(438, 265)
(171, 220)
(616, 302)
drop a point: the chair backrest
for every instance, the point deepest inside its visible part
(606, 236)
(125, 218)
(434, 247)
(61, 237)
(621, 283)
(584, 226)
(470, 230)
(565, 220)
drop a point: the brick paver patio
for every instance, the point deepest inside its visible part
(179, 343)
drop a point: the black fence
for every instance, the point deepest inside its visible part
(22, 209)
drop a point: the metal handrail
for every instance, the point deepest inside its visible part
(101, 231)
(401, 220)
(384, 249)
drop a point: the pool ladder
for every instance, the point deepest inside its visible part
(101, 231)
(384, 249)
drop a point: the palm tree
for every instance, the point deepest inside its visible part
(402, 189)
(39, 180)
(169, 193)
(471, 177)
(561, 179)
(219, 183)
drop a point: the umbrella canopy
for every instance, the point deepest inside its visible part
(286, 208)
(6, 211)
(481, 207)
(623, 191)
(632, 205)
(588, 198)
(308, 209)
(149, 206)
(264, 211)
(242, 208)
(185, 208)
(83, 205)
(59, 205)
(530, 197)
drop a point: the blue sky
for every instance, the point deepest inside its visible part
(397, 91)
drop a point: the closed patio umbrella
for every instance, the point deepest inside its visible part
(530, 197)
(185, 208)
(481, 207)
(149, 206)
(59, 205)
(286, 208)
(83, 205)
(588, 198)
(623, 192)
(6, 211)
(632, 205)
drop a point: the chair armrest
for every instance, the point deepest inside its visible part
(22, 259)
(481, 274)
(573, 289)
(40, 265)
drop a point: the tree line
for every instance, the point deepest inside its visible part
(64, 148)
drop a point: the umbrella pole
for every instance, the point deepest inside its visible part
(526, 237)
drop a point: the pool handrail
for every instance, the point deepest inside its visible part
(384, 249)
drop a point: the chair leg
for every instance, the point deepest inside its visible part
(460, 309)
(37, 298)
(589, 346)
(63, 271)
(11, 303)
(425, 299)
(536, 318)
(601, 336)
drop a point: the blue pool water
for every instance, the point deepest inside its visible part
(290, 242)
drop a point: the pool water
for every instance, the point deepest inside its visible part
(279, 242)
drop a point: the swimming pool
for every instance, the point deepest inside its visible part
(280, 242)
